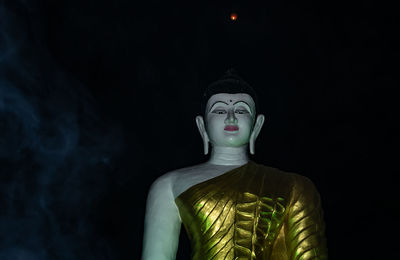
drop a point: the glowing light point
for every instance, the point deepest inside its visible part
(233, 16)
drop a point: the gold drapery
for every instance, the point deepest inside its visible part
(254, 212)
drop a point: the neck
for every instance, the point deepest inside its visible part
(229, 155)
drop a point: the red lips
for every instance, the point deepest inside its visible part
(231, 128)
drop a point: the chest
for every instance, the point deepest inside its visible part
(236, 210)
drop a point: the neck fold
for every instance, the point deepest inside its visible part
(229, 155)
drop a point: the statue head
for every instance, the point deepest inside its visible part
(230, 119)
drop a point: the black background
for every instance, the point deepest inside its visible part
(98, 99)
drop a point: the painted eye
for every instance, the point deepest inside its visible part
(219, 112)
(241, 111)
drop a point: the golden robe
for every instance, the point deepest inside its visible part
(254, 212)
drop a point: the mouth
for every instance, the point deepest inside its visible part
(231, 128)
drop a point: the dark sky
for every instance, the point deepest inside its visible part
(98, 99)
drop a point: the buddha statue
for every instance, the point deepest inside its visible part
(230, 206)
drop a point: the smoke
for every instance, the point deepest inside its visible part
(56, 153)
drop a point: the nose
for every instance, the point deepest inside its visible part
(230, 118)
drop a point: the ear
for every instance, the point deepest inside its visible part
(203, 132)
(256, 130)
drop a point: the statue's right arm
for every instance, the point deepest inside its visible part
(162, 222)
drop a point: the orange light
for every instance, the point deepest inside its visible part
(233, 16)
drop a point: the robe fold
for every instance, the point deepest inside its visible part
(254, 212)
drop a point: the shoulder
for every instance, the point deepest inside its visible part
(303, 189)
(160, 194)
(168, 179)
(189, 169)
(294, 180)
(162, 181)
(301, 182)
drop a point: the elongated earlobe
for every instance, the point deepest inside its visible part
(256, 130)
(203, 133)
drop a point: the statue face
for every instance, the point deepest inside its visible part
(230, 119)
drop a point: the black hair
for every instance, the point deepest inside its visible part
(229, 83)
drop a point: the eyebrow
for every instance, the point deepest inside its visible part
(242, 102)
(248, 106)
(216, 103)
